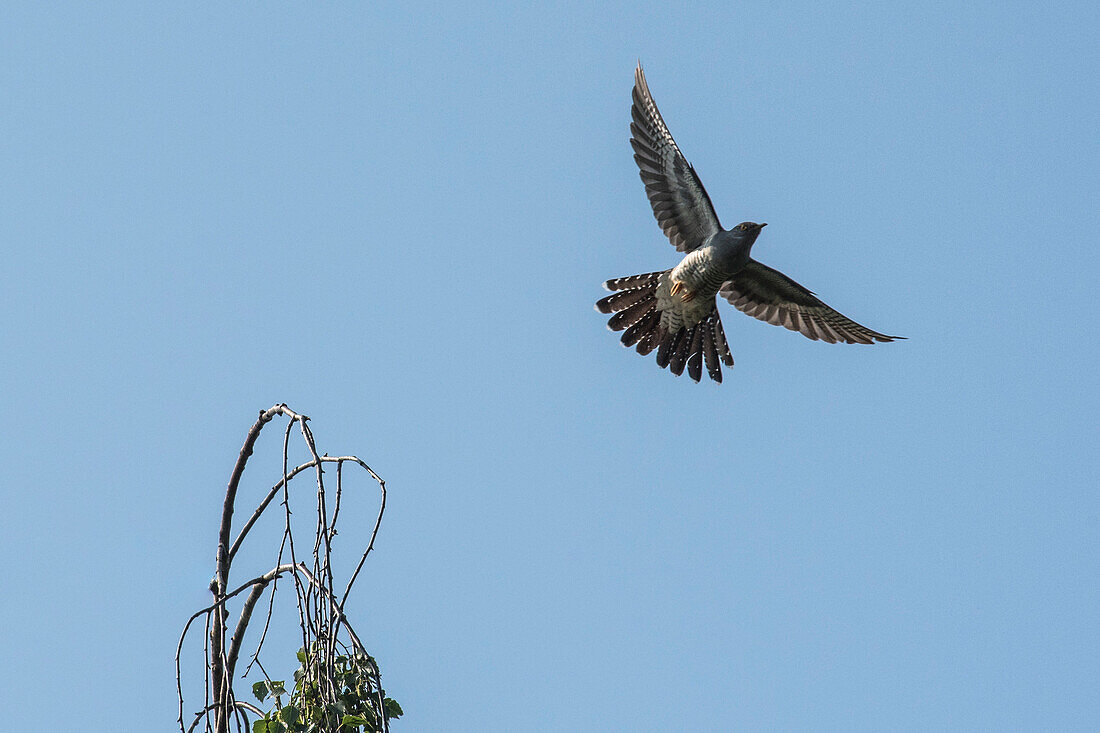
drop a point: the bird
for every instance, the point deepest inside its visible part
(675, 311)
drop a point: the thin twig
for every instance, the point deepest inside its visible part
(373, 534)
(263, 505)
(246, 614)
(288, 536)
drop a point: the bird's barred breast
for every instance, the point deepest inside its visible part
(677, 313)
(700, 272)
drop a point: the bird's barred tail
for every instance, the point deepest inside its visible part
(634, 307)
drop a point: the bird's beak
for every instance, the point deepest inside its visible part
(762, 225)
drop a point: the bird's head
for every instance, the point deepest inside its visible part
(749, 230)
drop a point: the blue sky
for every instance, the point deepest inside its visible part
(396, 218)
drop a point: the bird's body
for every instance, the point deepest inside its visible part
(675, 311)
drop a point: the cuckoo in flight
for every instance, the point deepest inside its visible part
(675, 311)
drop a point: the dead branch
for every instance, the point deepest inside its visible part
(321, 615)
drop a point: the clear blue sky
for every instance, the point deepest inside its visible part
(396, 219)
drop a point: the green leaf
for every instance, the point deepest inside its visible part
(355, 720)
(393, 710)
(260, 726)
(302, 656)
(260, 691)
(289, 714)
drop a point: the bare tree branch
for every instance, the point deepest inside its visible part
(321, 615)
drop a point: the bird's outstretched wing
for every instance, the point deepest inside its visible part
(771, 296)
(680, 203)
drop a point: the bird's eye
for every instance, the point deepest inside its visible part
(742, 227)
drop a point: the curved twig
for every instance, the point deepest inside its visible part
(236, 703)
(374, 532)
(261, 580)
